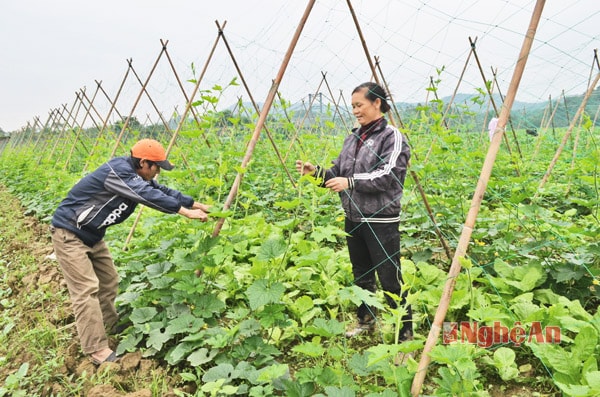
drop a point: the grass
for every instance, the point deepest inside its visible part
(39, 351)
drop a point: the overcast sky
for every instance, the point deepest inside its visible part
(53, 49)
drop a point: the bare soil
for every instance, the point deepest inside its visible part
(39, 326)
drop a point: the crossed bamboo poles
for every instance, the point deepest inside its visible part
(66, 120)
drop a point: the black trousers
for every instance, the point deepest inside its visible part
(375, 250)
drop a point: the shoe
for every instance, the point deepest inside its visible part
(112, 358)
(118, 328)
(360, 328)
(405, 336)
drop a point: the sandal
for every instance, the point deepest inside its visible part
(112, 358)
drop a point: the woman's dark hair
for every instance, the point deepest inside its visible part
(375, 91)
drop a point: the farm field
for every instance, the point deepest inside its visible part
(261, 308)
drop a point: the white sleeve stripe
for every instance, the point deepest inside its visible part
(390, 164)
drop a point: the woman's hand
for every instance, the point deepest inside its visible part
(337, 184)
(305, 167)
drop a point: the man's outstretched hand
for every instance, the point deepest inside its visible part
(193, 213)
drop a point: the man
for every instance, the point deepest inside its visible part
(106, 197)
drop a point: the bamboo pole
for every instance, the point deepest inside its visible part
(389, 92)
(105, 121)
(239, 72)
(187, 99)
(18, 141)
(157, 110)
(589, 92)
(126, 123)
(485, 119)
(65, 125)
(81, 130)
(43, 130)
(32, 131)
(451, 102)
(460, 79)
(92, 107)
(301, 124)
(538, 143)
(76, 130)
(566, 106)
(51, 129)
(336, 104)
(175, 134)
(486, 171)
(546, 114)
(487, 87)
(510, 118)
(263, 116)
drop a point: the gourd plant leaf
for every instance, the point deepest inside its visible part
(157, 269)
(339, 391)
(273, 372)
(557, 358)
(299, 389)
(185, 324)
(359, 364)
(326, 328)
(206, 305)
(586, 342)
(358, 295)
(504, 361)
(179, 352)
(311, 349)
(222, 371)
(202, 356)
(140, 315)
(327, 232)
(261, 293)
(593, 380)
(157, 338)
(271, 249)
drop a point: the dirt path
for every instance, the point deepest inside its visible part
(37, 331)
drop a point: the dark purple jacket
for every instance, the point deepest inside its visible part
(375, 174)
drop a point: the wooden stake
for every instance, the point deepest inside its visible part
(128, 119)
(567, 135)
(239, 71)
(462, 75)
(487, 87)
(301, 124)
(461, 249)
(105, 121)
(263, 116)
(389, 92)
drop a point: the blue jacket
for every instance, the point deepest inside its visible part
(108, 196)
(376, 174)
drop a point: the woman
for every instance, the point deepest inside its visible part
(369, 175)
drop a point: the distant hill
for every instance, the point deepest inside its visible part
(523, 114)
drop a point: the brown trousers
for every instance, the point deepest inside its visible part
(93, 283)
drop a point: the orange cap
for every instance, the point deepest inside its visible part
(152, 150)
